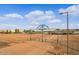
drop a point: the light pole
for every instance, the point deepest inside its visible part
(67, 13)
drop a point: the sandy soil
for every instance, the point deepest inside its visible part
(25, 44)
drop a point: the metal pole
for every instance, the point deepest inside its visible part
(57, 39)
(42, 35)
(67, 33)
(30, 35)
(42, 31)
(67, 30)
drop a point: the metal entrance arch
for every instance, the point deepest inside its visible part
(43, 28)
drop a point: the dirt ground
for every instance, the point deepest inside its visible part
(26, 44)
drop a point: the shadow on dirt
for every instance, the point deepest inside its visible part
(4, 44)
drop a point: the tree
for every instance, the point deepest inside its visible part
(28, 31)
(17, 31)
(2, 31)
(7, 31)
(25, 31)
(10, 31)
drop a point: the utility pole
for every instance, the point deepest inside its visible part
(67, 13)
(67, 32)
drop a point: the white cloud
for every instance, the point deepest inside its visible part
(77, 24)
(61, 10)
(7, 26)
(11, 16)
(34, 14)
(33, 18)
(14, 15)
(73, 10)
(40, 16)
(35, 22)
(2, 17)
(49, 13)
(55, 21)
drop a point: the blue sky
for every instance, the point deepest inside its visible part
(29, 16)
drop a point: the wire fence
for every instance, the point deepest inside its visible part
(60, 40)
(53, 39)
